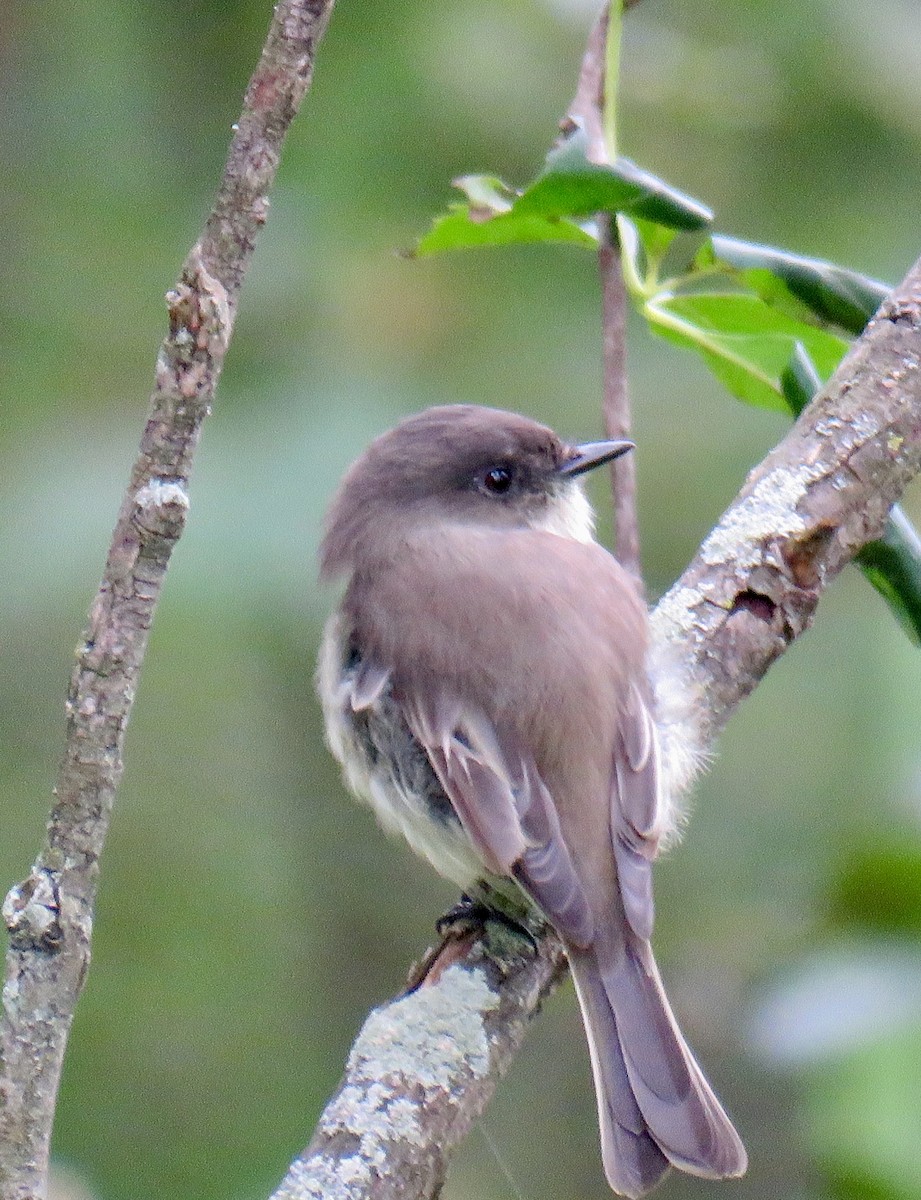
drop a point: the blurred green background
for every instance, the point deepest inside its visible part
(249, 913)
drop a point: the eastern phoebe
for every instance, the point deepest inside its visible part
(484, 684)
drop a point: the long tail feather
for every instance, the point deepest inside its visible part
(655, 1107)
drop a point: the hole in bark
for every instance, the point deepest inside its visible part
(759, 605)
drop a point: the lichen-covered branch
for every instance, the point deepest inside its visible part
(425, 1065)
(49, 916)
(423, 1069)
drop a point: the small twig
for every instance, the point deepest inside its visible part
(587, 104)
(615, 397)
(587, 109)
(50, 914)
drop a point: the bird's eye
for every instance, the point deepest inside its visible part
(497, 480)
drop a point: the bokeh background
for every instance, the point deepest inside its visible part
(249, 913)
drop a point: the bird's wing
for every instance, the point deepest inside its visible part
(638, 811)
(504, 807)
(367, 684)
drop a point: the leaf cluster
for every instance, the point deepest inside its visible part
(771, 326)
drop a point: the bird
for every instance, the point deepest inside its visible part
(485, 684)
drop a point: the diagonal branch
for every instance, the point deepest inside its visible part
(425, 1065)
(49, 915)
(424, 1068)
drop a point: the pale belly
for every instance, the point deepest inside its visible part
(385, 766)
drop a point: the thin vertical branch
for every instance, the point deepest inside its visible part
(611, 76)
(587, 105)
(615, 396)
(49, 916)
(594, 108)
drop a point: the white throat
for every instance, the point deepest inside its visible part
(569, 514)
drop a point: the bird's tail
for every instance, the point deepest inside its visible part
(655, 1108)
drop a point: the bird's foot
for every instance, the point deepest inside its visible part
(471, 916)
(461, 927)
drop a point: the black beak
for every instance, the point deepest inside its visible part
(592, 454)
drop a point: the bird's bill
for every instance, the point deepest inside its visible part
(593, 454)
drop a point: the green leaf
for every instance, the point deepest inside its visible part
(788, 281)
(644, 245)
(746, 343)
(489, 220)
(799, 380)
(655, 239)
(555, 207)
(487, 192)
(459, 230)
(572, 186)
(892, 563)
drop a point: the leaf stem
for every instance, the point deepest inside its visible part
(611, 77)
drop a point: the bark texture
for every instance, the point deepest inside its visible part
(423, 1069)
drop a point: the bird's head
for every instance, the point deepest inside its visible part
(462, 464)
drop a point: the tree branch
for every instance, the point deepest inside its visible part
(425, 1065)
(49, 916)
(615, 394)
(587, 110)
(424, 1068)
